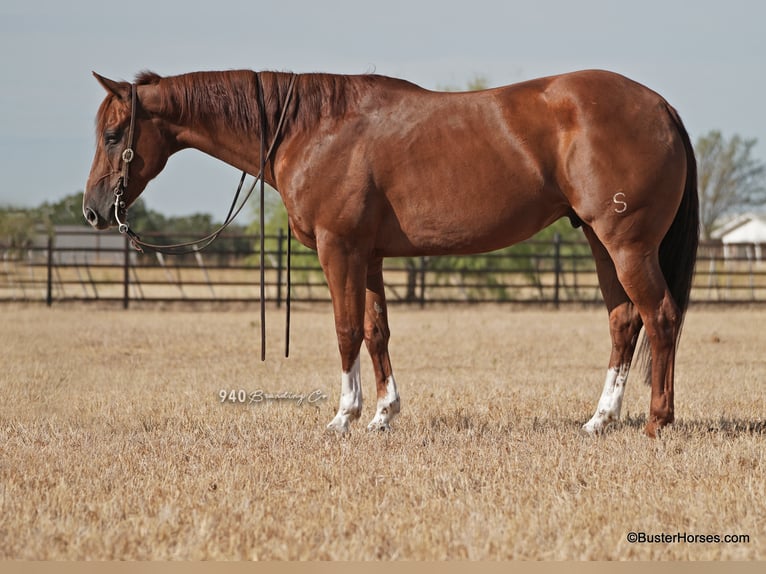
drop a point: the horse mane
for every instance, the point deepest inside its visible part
(233, 96)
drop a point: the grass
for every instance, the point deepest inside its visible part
(114, 442)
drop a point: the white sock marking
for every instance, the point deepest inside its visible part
(610, 403)
(388, 407)
(350, 407)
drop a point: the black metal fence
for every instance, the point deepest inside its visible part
(83, 265)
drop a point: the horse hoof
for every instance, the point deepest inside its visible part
(338, 425)
(591, 433)
(380, 426)
(593, 428)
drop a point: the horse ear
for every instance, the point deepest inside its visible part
(119, 89)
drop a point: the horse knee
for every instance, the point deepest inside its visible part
(376, 331)
(349, 343)
(376, 336)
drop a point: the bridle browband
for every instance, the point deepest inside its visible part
(127, 157)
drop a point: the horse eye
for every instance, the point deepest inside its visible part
(112, 137)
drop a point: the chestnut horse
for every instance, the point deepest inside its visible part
(371, 167)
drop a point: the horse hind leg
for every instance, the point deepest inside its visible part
(639, 272)
(376, 336)
(662, 321)
(624, 326)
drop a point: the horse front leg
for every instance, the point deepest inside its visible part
(376, 336)
(345, 270)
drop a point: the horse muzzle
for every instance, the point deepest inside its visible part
(99, 216)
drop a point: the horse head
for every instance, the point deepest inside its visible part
(131, 150)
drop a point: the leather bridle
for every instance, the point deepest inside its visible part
(126, 157)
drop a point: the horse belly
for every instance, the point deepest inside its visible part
(467, 221)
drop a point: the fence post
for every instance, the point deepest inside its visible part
(126, 274)
(49, 286)
(557, 267)
(422, 297)
(280, 241)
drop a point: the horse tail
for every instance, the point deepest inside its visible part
(678, 250)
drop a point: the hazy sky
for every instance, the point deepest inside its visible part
(706, 57)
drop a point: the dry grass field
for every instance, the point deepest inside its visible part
(114, 442)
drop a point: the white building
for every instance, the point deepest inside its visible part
(82, 245)
(744, 237)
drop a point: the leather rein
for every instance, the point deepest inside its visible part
(120, 207)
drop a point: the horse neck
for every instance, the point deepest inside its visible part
(219, 113)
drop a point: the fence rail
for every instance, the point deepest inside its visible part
(80, 266)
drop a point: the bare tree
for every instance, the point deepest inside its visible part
(730, 179)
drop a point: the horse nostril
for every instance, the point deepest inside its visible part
(90, 215)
